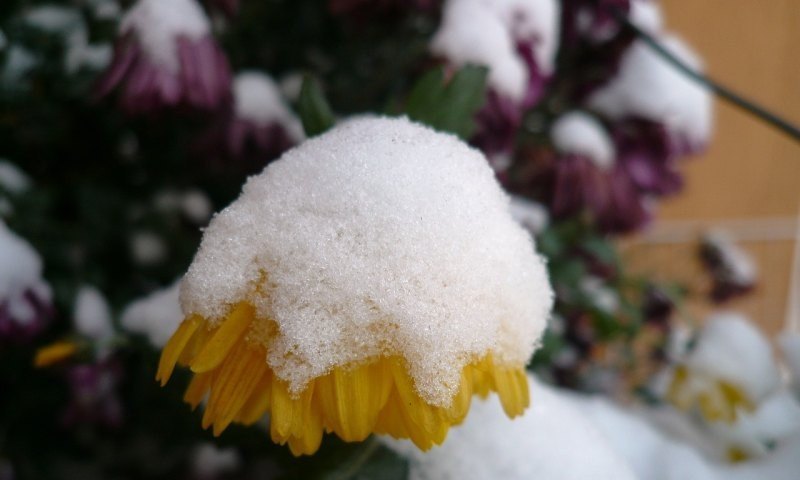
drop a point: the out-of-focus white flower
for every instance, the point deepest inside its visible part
(730, 369)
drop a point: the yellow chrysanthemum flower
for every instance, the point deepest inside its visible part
(370, 281)
(729, 370)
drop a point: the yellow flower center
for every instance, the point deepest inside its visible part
(351, 401)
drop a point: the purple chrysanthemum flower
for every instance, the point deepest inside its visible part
(517, 41)
(25, 298)
(258, 126)
(650, 155)
(166, 57)
(733, 272)
(94, 399)
(585, 177)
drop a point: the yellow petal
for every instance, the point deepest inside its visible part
(197, 389)
(174, 347)
(226, 336)
(54, 353)
(258, 403)
(282, 412)
(352, 399)
(512, 388)
(234, 388)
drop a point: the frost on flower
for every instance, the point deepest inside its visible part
(370, 280)
(259, 125)
(733, 272)
(730, 368)
(166, 56)
(157, 315)
(517, 41)
(551, 440)
(25, 298)
(650, 89)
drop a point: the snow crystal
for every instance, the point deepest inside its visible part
(531, 215)
(649, 87)
(147, 248)
(730, 348)
(258, 99)
(472, 33)
(581, 134)
(20, 271)
(157, 315)
(157, 25)
(210, 461)
(92, 315)
(12, 179)
(379, 237)
(550, 440)
(736, 262)
(775, 420)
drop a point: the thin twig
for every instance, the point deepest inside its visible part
(746, 105)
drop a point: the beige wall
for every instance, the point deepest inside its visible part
(750, 171)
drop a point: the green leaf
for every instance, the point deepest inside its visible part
(451, 105)
(313, 108)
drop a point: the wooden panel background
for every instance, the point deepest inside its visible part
(750, 172)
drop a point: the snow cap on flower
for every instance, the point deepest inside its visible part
(259, 125)
(25, 298)
(579, 133)
(92, 314)
(382, 246)
(489, 33)
(156, 315)
(648, 87)
(551, 440)
(731, 367)
(166, 56)
(733, 271)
